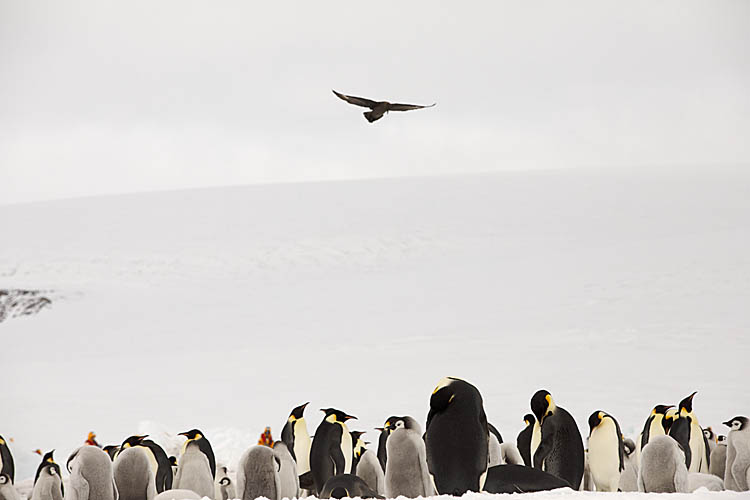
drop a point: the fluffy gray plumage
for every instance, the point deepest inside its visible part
(698, 480)
(406, 470)
(737, 473)
(223, 484)
(496, 454)
(194, 472)
(133, 475)
(629, 476)
(90, 475)
(48, 486)
(509, 454)
(719, 460)
(288, 478)
(178, 495)
(258, 474)
(7, 490)
(662, 468)
(371, 472)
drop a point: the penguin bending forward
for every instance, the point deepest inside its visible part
(347, 486)
(511, 478)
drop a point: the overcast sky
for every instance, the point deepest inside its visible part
(99, 97)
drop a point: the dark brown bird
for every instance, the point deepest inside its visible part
(378, 108)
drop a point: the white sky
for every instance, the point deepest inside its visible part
(99, 97)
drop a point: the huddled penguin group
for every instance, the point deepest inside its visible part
(458, 452)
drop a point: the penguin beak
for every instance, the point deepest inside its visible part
(728, 423)
(349, 417)
(381, 429)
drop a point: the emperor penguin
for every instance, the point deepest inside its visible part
(7, 490)
(288, 477)
(737, 473)
(297, 439)
(347, 486)
(178, 495)
(457, 438)
(629, 476)
(655, 425)
(382, 452)
(194, 471)
(7, 466)
(495, 453)
(332, 449)
(523, 441)
(697, 480)
(511, 478)
(160, 464)
(203, 445)
(91, 476)
(112, 451)
(560, 451)
(606, 451)
(509, 454)
(662, 468)
(358, 447)
(719, 458)
(223, 486)
(133, 475)
(710, 439)
(258, 474)
(48, 481)
(371, 472)
(406, 472)
(688, 432)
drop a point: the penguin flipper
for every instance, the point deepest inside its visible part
(545, 445)
(338, 459)
(306, 481)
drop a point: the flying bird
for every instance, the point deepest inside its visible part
(378, 108)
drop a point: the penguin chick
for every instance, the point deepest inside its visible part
(194, 471)
(406, 471)
(91, 476)
(258, 474)
(48, 461)
(47, 482)
(662, 468)
(223, 486)
(698, 480)
(288, 477)
(371, 473)
(719, 460)
(178, 495)
(203, 445)
(133, 475)
(737, 473)
(7, 490)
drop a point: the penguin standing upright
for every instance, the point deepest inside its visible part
(134, 475)
(48, 483)
(406, 472)
(91, 476)
(223, 487)
(7, 466)
(560, 450)
(457, 438)
(332, 448)
(288, 476)
(686, 430)
(495, 453)
(655, 425)
(629, 476)
(160, 464)
(258, 474)
(382, 452)
(297, 439)
(358, 447)
(719, 458)
(606, 451)
(7, 490)
(737, 473)
(710, 440)
(662, 468)
(523, 441)
(371, 472)
(194, 470)
(203, 445)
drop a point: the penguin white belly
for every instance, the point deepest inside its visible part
(697, 449)
(302, 444)
(536, 438)
(346, 448)
(604, 456)
(151, 459)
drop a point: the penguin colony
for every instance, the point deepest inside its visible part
(459, 451)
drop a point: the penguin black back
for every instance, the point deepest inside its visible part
(111, 450)
(523, 441)
(661, 411)
(510, 478)
(328, 456)
(164, 475)
(493, 430)
(287, 432)
(456, 437)
(6, 457)
(680, 432)
(203, 445)
(347, 486)
(382, 452)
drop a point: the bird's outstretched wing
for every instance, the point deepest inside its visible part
(407, 107)
(357, 101)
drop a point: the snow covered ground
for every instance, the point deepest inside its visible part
(224, 308)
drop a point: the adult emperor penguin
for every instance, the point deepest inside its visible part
(297, 439)
(111, 450)
(161, 466)
(7, 490)
(358, 447)
(347, 486)
(258, 474)
(655, 425)
(332, 448)
(689, 434)
(719, 459)
(48, 481)
(382, 452)
(523, 441)
(371, 472)
(194, 470)
(7, 466)
(457, 438)
(288, 477)
(737, 473)
(203, 445)
(223, 485)
(512, 478)
(133, 474)
(560, 450)
(91, 476)
(662, 468)
(606, 451)
(406, 472)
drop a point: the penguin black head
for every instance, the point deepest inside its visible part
(133, 441)
(192, 434)
(709, 433)
(298, 412)
(737, 423)
(542, 404)
(173, 461)
(529, 419)
(661, 409)
(721, 439)
(669, 417)
(336, 415)
(390, 423)
(629, 446)
(686, 405)
(48, 457)
(444, 394)
(111, 450)
(356, 435)
(595, 419)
